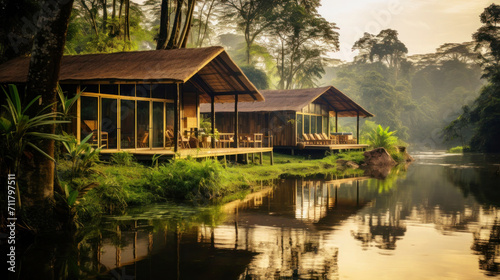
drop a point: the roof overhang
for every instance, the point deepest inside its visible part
(210, 70)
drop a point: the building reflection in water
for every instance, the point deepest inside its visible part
(278, 232)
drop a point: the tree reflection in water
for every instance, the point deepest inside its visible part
(380, 229)
(298, 229)
(487, 245)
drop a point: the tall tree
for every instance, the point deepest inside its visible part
(253, 17)
(485, 112)
(43, 75)
(18, 25)
(385, 47)
(300, 37)
(173, 33)
(202, 23)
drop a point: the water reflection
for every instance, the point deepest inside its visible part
(436, 219)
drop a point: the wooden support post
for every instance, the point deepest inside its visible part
(336, 122)
(246, 158)
(253, 158)
(236, 139)
(176, 118)
(272, 158)
(260, 158)
(357, 129)
(212, 117)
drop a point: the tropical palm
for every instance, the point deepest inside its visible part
(19, 130)
(381, 137)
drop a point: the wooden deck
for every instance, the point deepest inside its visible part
(320, 149)
(337, 147)
(146, 153)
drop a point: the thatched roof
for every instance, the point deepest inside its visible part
(210, 70)
(295, 100)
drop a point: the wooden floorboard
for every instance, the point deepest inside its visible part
(337, 147)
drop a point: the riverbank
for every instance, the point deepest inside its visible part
(115, 186)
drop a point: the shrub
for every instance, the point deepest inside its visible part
(188, 179)
(123, 158)
(383, 138)
(82, 155)
(458, 149)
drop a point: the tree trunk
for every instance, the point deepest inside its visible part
(176, 29)
(113, 15)
(127, 21)
(104, 15)
(43, 75)
(161, 42)
(187, 24)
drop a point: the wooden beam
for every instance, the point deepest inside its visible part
(357, 129)
(220, 61)
(198, 82)
(236, 139)
(176, 118)
(336, 122)
(212, 117)
(229, 93)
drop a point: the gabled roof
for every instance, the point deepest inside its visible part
(295, 100)
(210, 70)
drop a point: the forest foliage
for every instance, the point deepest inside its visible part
(284, 44)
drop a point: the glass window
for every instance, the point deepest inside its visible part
(143, 90)
(69, 90)
(127, 118)
(90, 88)
(319, 124)
(158, 124)
(171, 88)
(158, 91)
(89, 113)
(170, 122)
(300, 122)
(127, 89)
(313, 124)
(109, 113)
(143, 132)
(307, 125)
(109, 89)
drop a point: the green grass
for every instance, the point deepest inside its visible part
(130, 183)
(458, 149)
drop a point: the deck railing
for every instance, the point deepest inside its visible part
(226, 140)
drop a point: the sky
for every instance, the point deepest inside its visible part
(423, 25)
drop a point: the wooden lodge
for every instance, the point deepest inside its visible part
(295, 119)
(148, 102)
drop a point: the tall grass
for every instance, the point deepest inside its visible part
(189, 179)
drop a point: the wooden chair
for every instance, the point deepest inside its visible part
(143, 143)
(184, 141)
(225, 139)
(331, 140)
(169, 137)
(322, 140)
(245, 140)
(104, 138)
(308, 140)
(335, 139)
(257, 139)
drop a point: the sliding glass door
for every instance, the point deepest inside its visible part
(143, 126)
(127, 119)
(109, 124)
(158, 121)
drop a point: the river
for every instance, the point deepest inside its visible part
(436, 219)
